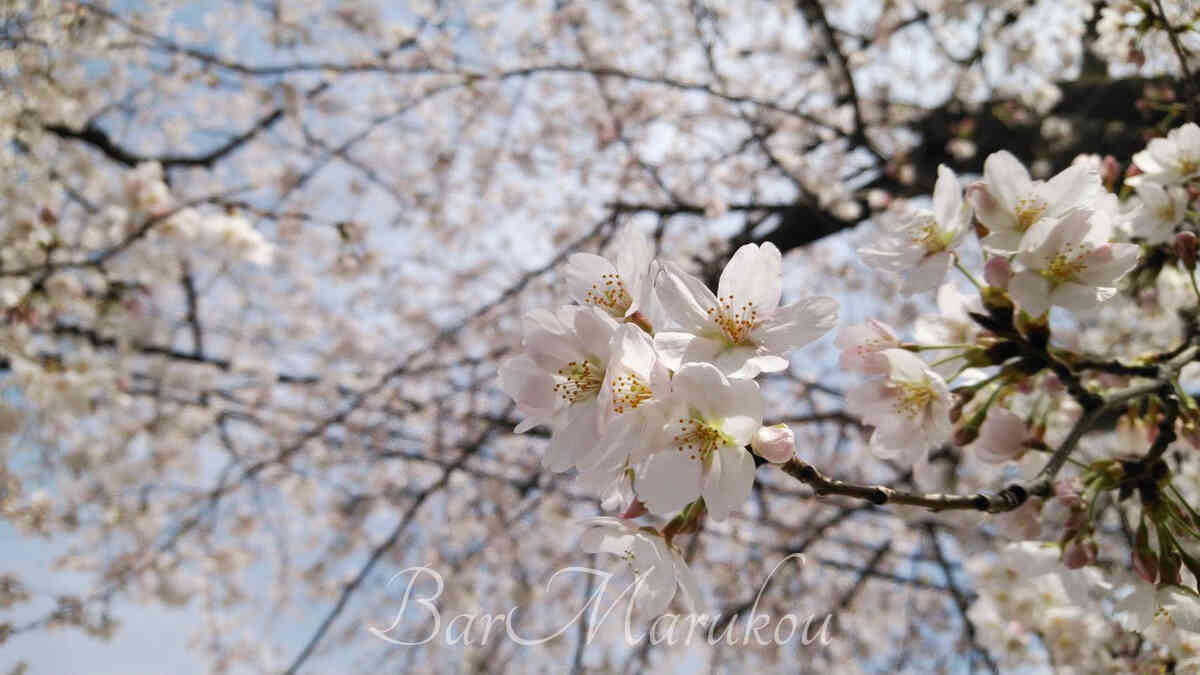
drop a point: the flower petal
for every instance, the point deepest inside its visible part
(669, 480)
(797, 324)
(729, 481)
(754, 275)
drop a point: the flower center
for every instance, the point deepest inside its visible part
(579, 380)
(697, 438)
(1167, 213)
(1064, 266)
(610, 295)
(912, 398)
(628, 392)
(1188, 165)
(1029, 209)
(735, 322)
(924, 231)
(628, 556)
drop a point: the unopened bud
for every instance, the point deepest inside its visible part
(775, 444)
(998, 272)
(1145, 564)
(1079, 552)
(1109, 170)
(1185, 248)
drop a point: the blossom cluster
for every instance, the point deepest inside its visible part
(1008, 396)
(648, 387)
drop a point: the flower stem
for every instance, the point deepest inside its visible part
(970, 277)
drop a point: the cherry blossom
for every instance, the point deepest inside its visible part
(1173, 159)
(1001, 436)
(1159, 611)
(558, 378)
(909, 408)
(1008, 202)
(742, 329)
(702, 449)
(1162, 208)
(636, 390)
(660, 571)
(619, 287)
(862, 344)
(919, 244)
(1069, 262)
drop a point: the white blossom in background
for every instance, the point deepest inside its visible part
(234, 233)
(742, 329)
(1001, 436)
(919, 245)
(1159, 612)
(1161, 209)
(862, 345)
(1170, 160)
(1009, 202)
(701, 450)
(952, 324)
(660, 571)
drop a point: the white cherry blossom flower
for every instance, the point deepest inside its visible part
(1008, 202)
(636, 387)
(1069, 262)
(1158, 612)
(909, 408)
(861, 344)
(952, 325)
(619, 287)
(1162, 208)
(1001, 436)
(1022, 523)
(919, 244)
(742, 329)
(1173, 159)
(702, 447)
(558, 378)
(660, 571)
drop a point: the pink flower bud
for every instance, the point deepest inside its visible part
(1109, 170)
(1185, 248)
(998, 271)
(1145, 563)
(775, 444)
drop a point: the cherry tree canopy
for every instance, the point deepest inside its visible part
(298, 296)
